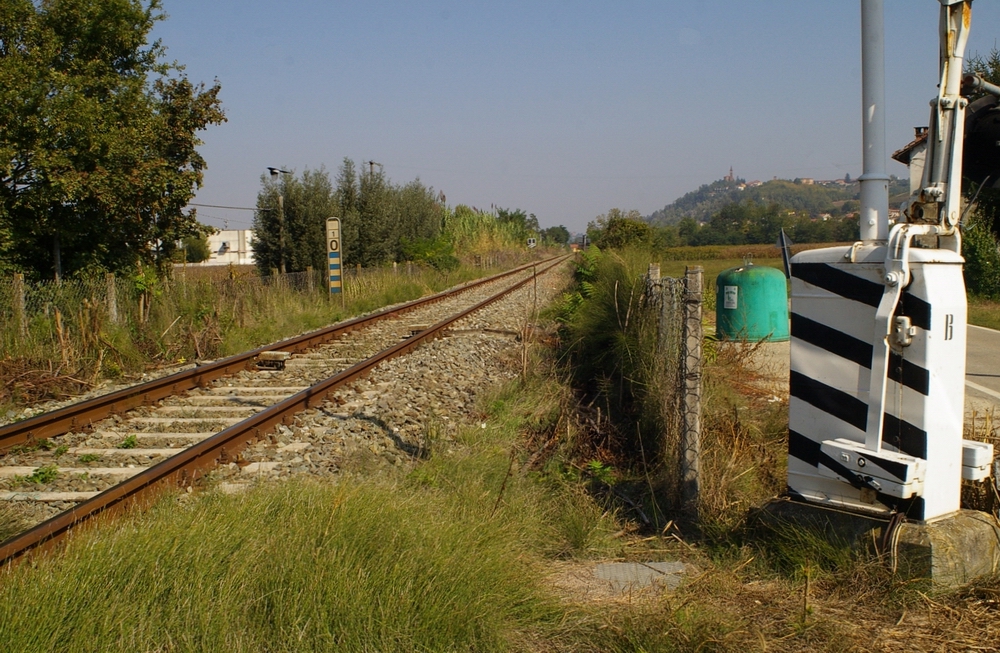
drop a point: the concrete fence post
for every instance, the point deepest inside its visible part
(691, 402)
(111, 297)
(20, 312)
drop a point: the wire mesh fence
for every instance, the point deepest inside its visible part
(677, 306)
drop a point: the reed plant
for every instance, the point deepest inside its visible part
(474, 233)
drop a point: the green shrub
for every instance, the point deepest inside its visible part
(439, 253)
(982, 261)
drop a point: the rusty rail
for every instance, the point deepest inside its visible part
(81, 415)
(189, 465)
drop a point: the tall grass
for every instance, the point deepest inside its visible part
(476, 233)
(611, 335)
(72, 338)
(301, 566)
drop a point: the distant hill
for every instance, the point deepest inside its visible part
(816, 198)
(698, 204)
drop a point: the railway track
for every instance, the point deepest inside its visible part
(97, 456)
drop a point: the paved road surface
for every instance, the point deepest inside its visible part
(982, 369)
(982, 385)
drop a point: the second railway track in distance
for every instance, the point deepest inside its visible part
(64, 467)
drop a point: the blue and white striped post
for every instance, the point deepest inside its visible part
(335, 279)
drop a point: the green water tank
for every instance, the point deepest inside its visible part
(751, 303)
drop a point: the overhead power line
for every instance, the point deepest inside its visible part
(235, 208)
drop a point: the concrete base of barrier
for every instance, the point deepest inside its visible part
(950, 551)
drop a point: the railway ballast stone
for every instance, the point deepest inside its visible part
(407, 405)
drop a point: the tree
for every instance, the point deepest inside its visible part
(981, 228)
(377, 219)
(526, 225)
(380, 221)
(196, 248)
(98, 137)
(618, 229)
(346, 197)
(308, 201)
(987, 207)
(420, 218)
(558, 235)
(982, 260)
(687, 230)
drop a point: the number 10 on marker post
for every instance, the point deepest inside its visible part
(335, 279)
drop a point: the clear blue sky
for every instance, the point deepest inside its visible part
(563, 109)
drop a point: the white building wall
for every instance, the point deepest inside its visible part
(231, 246)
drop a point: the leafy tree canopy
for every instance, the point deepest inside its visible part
(525, 222)
(300, 221)
(617, 229)
(380, 221)
(195, 249)
(558, 235)
(98, 137)
(981, 227)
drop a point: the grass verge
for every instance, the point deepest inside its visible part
(984, 312)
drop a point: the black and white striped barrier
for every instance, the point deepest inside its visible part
(915, 462)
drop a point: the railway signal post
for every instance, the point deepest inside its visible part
(334, 249)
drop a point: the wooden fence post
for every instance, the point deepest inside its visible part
(310, 278)
(111, 296)
(691, 402)
(20, 312)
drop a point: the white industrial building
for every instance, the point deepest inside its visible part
(230, 246)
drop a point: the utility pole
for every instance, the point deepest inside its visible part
(363, 249)
(281, 217)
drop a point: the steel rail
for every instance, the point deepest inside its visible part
(84, 413)
(187, 466)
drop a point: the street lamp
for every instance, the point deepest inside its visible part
(281, 217)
